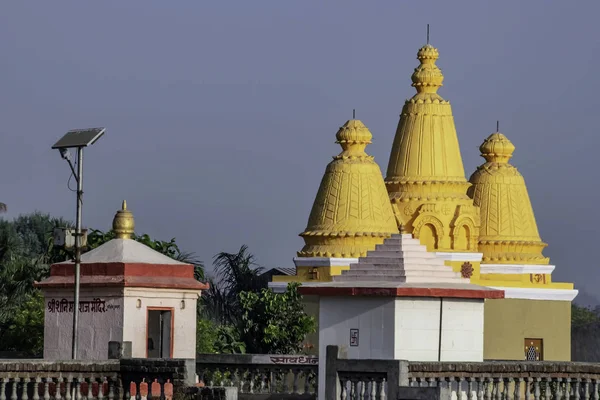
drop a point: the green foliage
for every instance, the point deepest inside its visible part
(274, 323)
(206, 336)
(237, 273)
(581, 316)
(228, 341)
(25, 332)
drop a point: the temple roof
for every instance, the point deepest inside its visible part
(508, 231)
(351, 212)
(124, 262)
(126, 251)
(425, 147)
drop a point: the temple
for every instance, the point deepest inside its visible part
(482, 230)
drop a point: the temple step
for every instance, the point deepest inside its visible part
(374, 266)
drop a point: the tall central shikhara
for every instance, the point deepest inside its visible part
(425, 176)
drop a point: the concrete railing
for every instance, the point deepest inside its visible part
(288, 376)
(128, 379)
(509, 380)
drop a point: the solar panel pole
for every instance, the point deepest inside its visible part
(77, 138)
(77, 251)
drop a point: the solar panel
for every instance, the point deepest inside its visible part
(79, 138)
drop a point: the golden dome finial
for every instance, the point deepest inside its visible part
(497, 148)
(427, 77)
(123, 224)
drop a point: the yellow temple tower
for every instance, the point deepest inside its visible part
(425, 176)
(351, 212)
(534, 318)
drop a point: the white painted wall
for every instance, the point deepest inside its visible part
(96, 329)
(416, 327)
(403, 328)
(184, 320)
(462, 330)
(374, 317)
(417, 324)
(122, 321)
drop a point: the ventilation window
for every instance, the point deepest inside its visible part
(534, 349)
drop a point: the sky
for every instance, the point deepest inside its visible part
(221, 116)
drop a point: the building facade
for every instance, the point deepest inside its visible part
(484, 227)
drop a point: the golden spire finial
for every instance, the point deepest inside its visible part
(123, 224)
(427, 77)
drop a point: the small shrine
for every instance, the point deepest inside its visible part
(128, 293)
(401, 302)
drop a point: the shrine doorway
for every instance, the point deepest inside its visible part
(159, 333)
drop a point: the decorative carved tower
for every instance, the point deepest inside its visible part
(351, 213)
(425, 177)
(508, 232)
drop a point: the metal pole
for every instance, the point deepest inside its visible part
(77, 248)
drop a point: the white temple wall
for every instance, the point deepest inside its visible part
(99, 322)
(372, 316)
(184, 319)
(417, 329)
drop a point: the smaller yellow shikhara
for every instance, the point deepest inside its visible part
(508, 233)
(352, 212)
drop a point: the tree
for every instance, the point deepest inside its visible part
(2, 208)
(581, 316)
(237, 273)
(274, 323)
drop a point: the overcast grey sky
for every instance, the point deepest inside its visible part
(221, 116)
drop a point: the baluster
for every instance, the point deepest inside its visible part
(344, 392)
(307, 382)
(353, 389)
(382, 395)
(497, 389)
(68, 393)
(576, 388)
(47, 382)
(489, 387)
(508, 395)
(586, 389)
(36, 388)
(567, 392)
(2, 388)
(111, 388)
(459, 391)
(527, 388)
(480, 388)
(536, 388)
(595, 386)
(13, 395)
(372, 389)
(251, 378)
(82, 387)
(263, 378)
(469, 388)
(363, 389)
(101, 388)
(26, 380)
(517, 392)
(295, 381)
(222, 376)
